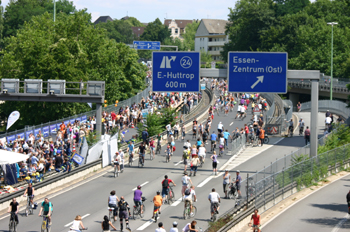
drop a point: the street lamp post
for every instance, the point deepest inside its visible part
(331, 90)
(54, 10)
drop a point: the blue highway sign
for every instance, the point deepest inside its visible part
(176, 71)
(257, 72)
(147, 45)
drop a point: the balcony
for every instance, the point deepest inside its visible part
(217, 43)
(214, 53)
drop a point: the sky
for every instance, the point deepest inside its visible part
(148, 10)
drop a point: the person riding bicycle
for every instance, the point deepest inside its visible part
(238, 110)
(13, 209)
(214, 199)
(117, 161)
(106, 223)
(185, 157)
(226, 136)
(176, 128)
(123, 213)
(348, 200)
(291, 126)
(220, 127)
(301, 126)
(201, 152)
(152, 147)
(255, 221)
(112, 203)
(157, 202)
(142, 152)
(165, 187)
(130, 149)
(243, 111)
(168, 151)
(213, 138)
(46, 208)
(190, 197)
(77, 223)
(185, 183)
(144, 136)
(138, 197)
(30, 192)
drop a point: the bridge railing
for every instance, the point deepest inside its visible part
(337, 107)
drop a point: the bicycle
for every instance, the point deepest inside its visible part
(155, 214)
(137, 209)
(29, 209)
(255, 229)
(266, 139)
(45, 225)
(151, 155)
(171, 195)
(200, 161)
(215, 208)
(12, 224)
(255, 141)
(187, 211)
(290, 132)
(213, 146)
(111, 213)
(131, 159)
(116, 171)
(158, 148)
(167, 157)
(140, 164)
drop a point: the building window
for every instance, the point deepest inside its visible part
(223, 39)
(210, 39)
(176, 31)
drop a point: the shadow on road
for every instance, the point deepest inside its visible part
(329, 222)
(332, 207)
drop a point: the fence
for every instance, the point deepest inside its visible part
(50, 128)
(337, 107)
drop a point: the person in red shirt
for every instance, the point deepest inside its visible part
(256, 221)
(165, 187)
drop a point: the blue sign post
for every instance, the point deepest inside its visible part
(147, 45)
(176, 71)
(257, 72)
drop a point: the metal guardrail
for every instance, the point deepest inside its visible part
(337, 107)
(324, 85)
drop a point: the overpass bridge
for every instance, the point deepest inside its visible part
(298, 86)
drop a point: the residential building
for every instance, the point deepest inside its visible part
(138, 31)
(211, 37)
(103, 19)
(176, 26)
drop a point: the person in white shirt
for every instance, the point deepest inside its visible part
(185, 182)
(328, 121)
(214, 199)
(174, 229)
(121, 154)
(220, 127)
(238, 111)
(190, 197)
(117, 160)
(202, 152)
(160, 227)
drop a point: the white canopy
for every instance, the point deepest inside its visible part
(10, 157)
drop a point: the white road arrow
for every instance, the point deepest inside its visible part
(260, 79)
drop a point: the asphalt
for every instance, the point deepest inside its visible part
(324, 210)
(90, 199)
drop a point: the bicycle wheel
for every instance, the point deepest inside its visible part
(11, 226)
(115, 174)
(167, 158)
(134, 213)
(214, 217)
(151, 156)
(144, 209)
(110, 215)
(266, 140)
(14, 226)
(155, 217)
(140, 163)
(194, 211)
(27, 211)
(186, 211)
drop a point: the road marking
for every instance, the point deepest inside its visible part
(204, 182)
(144, 226)
(340, 224)
(86, 215)
(231, 123)
(178, 162)
(141, 185)
(178, 201)
(296, 202)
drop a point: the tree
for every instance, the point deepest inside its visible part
(20, 11)
(119, 30)
(70, 49)
(248, 20)
(283, 7)
(189, 35)
(205, 57)
(134, 22)
(1, 23)
(155, 31)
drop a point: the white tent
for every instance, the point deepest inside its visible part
(9, 157)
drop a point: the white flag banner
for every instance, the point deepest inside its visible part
(14, 116)
(90, 104)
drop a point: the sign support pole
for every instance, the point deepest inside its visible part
(314, 118)
(98, 119)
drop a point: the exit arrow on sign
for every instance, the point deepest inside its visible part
(260, 79)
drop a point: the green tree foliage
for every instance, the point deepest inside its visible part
(294, 26)
(206, 57)
(189, 36)
(70, 49)
(155, 31)
(20, 11)
(134, 22)
(119, 30)
(1, 23)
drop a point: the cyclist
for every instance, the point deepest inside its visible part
(152, 146)
(14, 208)
(348, 200)
(142, 151)
(190, 197)
(214, 199)
(226, 135)
(117, 161)
(138, 197)
(176, 128)
(46, 208)
(221, 143)
(301, 126)
(30, 192)
(77, 223)
(112, 203)
(255, 220)
(185, 158)
(194, 164)
(122, 156)
(201, 152)
(123, 213)
(194, 129)
(130, 149)
(291, 126)
(213, 138)
(144, 136)
(238, 111)
(157, 201)
(220, 127)
(243, 111)
(214, 158)
(168, 151)
(106, 223)
(165, 187)
(185, 183)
